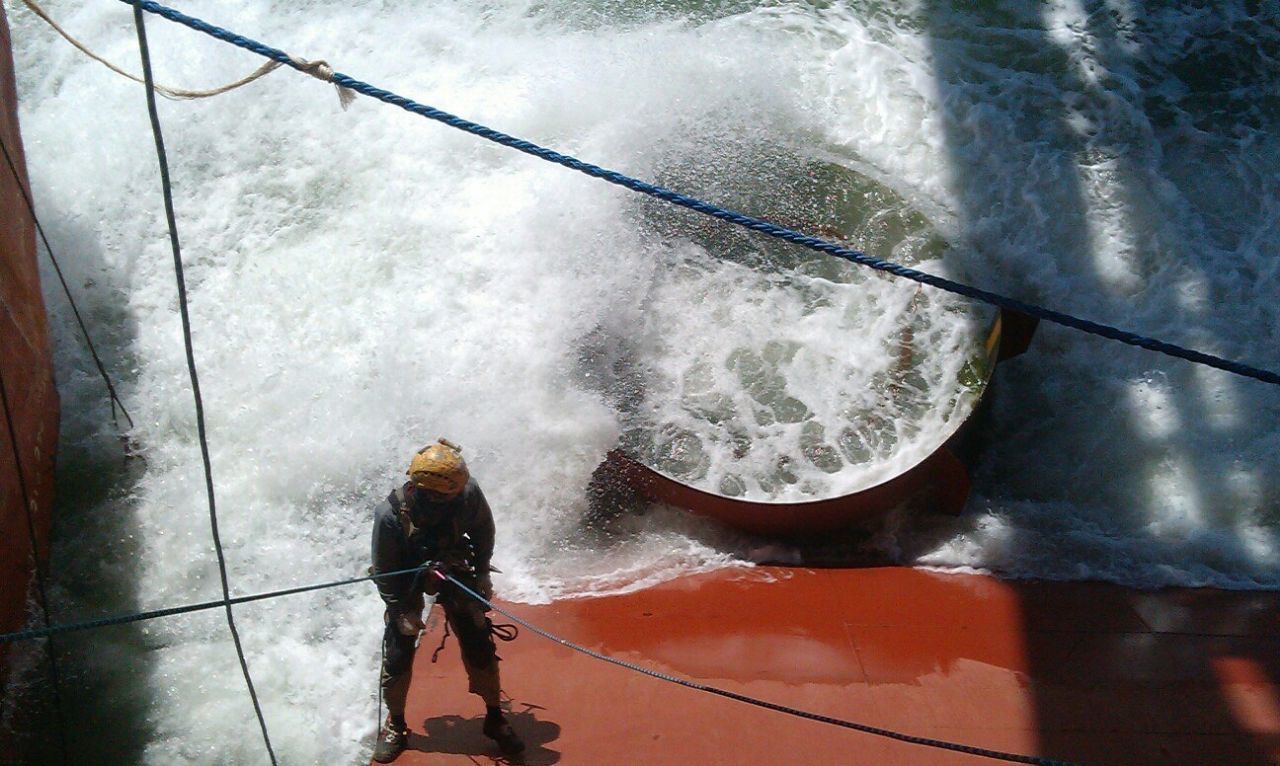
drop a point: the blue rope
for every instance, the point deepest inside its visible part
(124, 619)
(750, 222)
(908, 738)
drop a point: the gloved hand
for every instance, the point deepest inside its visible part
(407, 615)
(409, 622)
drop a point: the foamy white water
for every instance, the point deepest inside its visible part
(362, 281)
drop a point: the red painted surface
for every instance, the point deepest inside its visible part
(941, 473)
(1085, 672)
(27, 373)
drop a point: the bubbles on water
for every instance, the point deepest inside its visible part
(762, 370)
(327, 246)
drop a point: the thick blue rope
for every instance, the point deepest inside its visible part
(750, 222)
(125, 619)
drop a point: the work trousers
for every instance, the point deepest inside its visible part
(466, 617)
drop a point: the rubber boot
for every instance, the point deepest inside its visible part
(497, 729)
(391, 741)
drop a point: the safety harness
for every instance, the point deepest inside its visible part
(400, 502)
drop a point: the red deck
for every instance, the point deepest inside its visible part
(1088, 673)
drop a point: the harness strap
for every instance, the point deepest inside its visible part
(401, 504)
(436, 654)
(503, 632)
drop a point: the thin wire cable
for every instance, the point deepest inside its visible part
(125, 619)
(50, 652)
(140, 23)
(755, 224)
(31, 208)
(888, 733)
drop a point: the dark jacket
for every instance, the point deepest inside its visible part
(458, 532)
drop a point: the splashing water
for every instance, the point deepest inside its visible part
(362, 281)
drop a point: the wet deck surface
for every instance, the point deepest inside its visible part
(1086, 673)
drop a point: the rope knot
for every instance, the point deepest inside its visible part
(321, 70)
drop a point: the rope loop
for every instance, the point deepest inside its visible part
(504, 631)
(319, 69)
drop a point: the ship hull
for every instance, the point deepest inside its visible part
(29, 433)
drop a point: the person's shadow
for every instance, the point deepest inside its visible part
(464, 736)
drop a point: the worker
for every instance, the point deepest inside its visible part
(440, 516)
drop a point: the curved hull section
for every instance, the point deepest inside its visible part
(942, 477)
(942, 473)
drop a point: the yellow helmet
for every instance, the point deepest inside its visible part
(439, 469)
